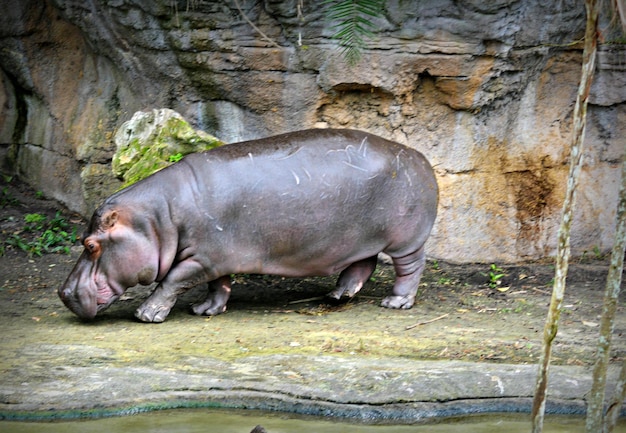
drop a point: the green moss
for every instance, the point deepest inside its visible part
(146, 153)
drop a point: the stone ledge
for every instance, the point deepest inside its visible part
(364, 389)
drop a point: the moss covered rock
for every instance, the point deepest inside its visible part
(150, 141)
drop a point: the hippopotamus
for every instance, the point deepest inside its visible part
(309, 203)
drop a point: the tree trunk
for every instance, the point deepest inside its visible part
(595, 406)
(563, 246)
(613, 411)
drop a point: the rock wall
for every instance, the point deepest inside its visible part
(485, 91)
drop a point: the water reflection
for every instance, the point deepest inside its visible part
(214, 421)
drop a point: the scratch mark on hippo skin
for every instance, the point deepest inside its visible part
(408, 177)
(354, 166)
(295, 177)
(363, 148)
(307, 173)
(346, 151)
(398, 156)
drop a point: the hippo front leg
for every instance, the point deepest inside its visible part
(182, 277)
(215, 303)
(157, 307)
(408, 274)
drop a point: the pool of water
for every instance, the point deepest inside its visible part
(211, 420)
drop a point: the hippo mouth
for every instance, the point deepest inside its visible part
(105, 296)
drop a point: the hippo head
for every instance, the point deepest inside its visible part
(120, 252)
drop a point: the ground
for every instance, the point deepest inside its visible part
(461, 314)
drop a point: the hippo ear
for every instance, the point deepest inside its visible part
(109, 219)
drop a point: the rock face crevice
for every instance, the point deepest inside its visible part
(486, 91)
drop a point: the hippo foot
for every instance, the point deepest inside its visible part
(208, 308)
(353, 278)
(403, 302)
(340, 294)
(151, 313)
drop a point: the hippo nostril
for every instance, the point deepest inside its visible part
(66, 294)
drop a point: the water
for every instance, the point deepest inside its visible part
(208, 421)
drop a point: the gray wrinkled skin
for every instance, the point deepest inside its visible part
(308, 203)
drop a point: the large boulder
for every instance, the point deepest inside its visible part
(152, 140)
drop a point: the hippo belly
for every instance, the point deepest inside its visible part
(308, 203)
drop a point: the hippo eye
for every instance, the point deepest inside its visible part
(91, 246)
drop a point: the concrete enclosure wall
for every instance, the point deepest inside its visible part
(486, 92)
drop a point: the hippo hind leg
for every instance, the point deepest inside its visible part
(409, 270)
(215, 303)
(352, 279)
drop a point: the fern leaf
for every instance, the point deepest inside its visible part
(354, 25)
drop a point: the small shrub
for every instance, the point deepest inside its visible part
(494, 276)
(41, 235)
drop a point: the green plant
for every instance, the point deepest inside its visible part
(42, 235)
(444, 281)
(176, 157)
(34, 221)
(18, 242)
(597, 253)
(494, 276)
(354, 24)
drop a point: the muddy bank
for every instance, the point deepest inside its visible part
(467, 346)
